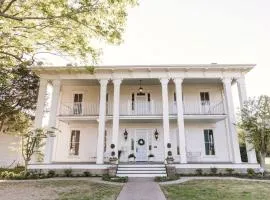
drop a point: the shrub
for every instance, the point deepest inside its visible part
(250, 172)
(213, 170)
(199, 171)
(112, 153)
(68, 172)
(166, 178)
(51, 173)
(107, 177)
(229, 171)
(112, 146)
(169, 145)
(169, 153)
(86, 173)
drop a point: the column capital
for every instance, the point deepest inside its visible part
(240, 80)
(164, 81)
(117, 81)
(56, 82)
(178, 81)
(227, 80)
(103, 82)
(43, 82)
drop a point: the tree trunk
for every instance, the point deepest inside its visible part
(262, 159)
(25, 166)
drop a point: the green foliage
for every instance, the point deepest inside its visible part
(255, 121)
(106, 177)
(68, 172)
(87, 174)
(199, 171)
(213, 170)
(51, 173)
(166, 178)
(63, 27)
(229, 171)
(250, 172)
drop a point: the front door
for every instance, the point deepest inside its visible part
(141, 145)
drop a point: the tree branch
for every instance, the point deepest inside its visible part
(8, 6)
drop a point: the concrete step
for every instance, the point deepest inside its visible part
(140, 168)
(142, 172)
(140, 175)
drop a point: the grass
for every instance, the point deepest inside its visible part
(218, 189)
(59, 189)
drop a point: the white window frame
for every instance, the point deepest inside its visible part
(209, 143)
(71, 142)
(82, 106)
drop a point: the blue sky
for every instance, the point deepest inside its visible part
(198, 32)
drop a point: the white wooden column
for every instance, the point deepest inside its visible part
(231, 119)
(56, 84)
(116, 102)
(165, 107)
(242, 98)
(180, 119)
(101, 120)
(40, 102)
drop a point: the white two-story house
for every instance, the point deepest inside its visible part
(143, 110)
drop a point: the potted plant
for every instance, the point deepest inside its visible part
(151, 157)
(113, 159)
(169, 158)
(131, 157)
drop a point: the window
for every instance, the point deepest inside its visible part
(77, 103)
(205, 100)
(132, 99)
(209, 142)
(74, 142)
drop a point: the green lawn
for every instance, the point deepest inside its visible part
(218, 189)
(58, 189)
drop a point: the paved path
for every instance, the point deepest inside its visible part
(141, 189)
(185, 179)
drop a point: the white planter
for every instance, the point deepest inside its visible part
(150, 159)
(131, 159)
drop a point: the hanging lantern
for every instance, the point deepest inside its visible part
(156, 134)
(125, 134)
(140, 88)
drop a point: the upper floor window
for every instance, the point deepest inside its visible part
(205, 99)
(209, 142)
(74, 142)
(77, 103)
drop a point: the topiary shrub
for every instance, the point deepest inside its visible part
(250, 172)
(199, 171)
(51, 173)
(213, 170)
(87, 174)
(229, 171)
(68, 172)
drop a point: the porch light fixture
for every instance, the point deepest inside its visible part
(156, 134)
(140, 88)
(125, 134)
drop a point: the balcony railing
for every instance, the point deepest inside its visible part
(141, 109)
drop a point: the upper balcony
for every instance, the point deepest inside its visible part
(150, 108)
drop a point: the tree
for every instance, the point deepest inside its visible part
(255, 121)
(64, 27)
(32, 142)
(18, 96)
(73, 28)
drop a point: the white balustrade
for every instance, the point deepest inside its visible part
(141, 108)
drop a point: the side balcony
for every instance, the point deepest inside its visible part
(143, 110)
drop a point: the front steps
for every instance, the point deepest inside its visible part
(139, 170)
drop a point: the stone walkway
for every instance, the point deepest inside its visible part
(141, 189)
(185, 179)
